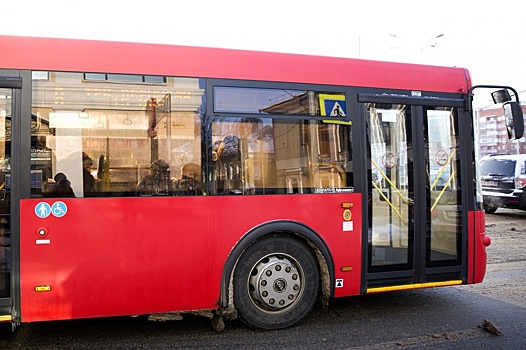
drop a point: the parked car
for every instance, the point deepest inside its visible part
(503, 179)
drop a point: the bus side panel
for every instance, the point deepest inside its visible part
(124, 256)
(477, 255)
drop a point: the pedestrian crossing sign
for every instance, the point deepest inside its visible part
(333, 105)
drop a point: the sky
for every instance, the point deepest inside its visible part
(477, 35)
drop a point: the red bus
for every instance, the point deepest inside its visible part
(141, 179)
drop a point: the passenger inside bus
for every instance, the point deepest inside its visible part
(190, 181)
(60, 188)
(89, 180)
(158, 182)
(253, 154)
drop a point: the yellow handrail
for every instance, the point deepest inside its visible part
(390, 204)
(443, 190)
(406, 201)
(442, 170)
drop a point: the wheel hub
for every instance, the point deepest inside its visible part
(275, 283)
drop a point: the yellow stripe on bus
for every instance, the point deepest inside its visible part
(5, 318)
(414, 286)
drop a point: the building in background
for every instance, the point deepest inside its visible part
(493, 137)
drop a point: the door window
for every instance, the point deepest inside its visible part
(391, 186)
(5, 188)
(443, 186)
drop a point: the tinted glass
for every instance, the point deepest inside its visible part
(278, 101)
(497, 167)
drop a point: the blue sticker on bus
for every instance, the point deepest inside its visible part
(42, 210)
(59, 209)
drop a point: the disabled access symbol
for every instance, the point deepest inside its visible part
(59, 209)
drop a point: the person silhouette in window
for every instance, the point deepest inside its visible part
(88, 179)
(60, 188)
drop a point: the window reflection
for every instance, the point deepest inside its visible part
(279, 101)
(443, 172)
(268, 156)
(391, 186)
(106, 138)
(102, 138)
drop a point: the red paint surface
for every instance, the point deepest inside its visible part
(123, 256)
(477, 256)
(166, 60)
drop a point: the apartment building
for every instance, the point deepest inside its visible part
(493, 137)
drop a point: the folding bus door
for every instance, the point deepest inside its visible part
(9, 110)
(414, 232)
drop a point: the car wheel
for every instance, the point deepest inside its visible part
(490, 209)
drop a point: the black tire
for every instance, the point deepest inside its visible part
(276, 283)
(490, 208)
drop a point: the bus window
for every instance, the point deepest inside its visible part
(271, 155)
(391, 187)
(109, 138)
(443, 177)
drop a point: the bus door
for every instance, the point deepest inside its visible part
(9, 96)
(414, 226)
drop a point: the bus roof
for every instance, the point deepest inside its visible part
(53, 54)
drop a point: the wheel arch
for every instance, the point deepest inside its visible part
(306, 234)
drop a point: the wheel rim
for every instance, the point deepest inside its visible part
(276, 283)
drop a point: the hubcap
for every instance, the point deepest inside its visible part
(275, 283)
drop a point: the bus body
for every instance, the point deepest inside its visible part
(143, 179)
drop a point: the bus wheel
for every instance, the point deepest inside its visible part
(275, 283)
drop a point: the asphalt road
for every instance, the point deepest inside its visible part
(442, 318)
